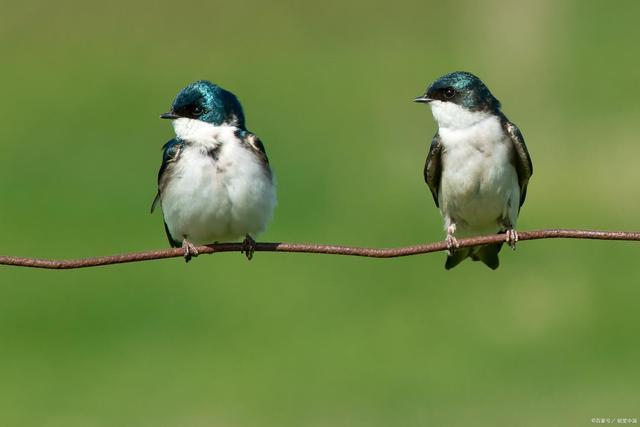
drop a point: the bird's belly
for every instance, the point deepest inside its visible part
(211, 201)
(479, 189)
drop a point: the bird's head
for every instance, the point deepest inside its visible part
(462, 89)
(207, 102)
(459, 100)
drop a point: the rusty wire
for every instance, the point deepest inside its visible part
(315, 249)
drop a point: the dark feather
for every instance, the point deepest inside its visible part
(521, 160)
(172, 242)
(433, 167)
(253, 143)
(456, 258)
(171, 152)
(488, 254)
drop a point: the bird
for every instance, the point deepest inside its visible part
(478, 166)
(215, 183)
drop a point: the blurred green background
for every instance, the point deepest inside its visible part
(550, 338)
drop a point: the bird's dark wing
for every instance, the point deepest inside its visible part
(173, 243)
(433, 167)
(171, 152)
(253, 143)
(521, 159)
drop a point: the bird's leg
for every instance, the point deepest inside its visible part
(189, 250)
(511, 235)
(248, 247)
(452, 242)
(511, 238)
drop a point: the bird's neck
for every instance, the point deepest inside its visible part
(199, 132)
(455, 117)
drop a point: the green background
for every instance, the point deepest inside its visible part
(550, 338)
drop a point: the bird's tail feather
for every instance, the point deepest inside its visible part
(488, 254)
(456, 258)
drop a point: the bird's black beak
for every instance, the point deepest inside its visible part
(424, 99)
(169, 115)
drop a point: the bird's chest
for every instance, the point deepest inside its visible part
(216, 188)
(198, 173)
(477, 155)
(216, 193)
(207, 175)
(477, 172)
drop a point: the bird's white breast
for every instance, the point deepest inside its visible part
(479, 185)
(219, 190)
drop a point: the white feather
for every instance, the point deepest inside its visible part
(210, 200)
(479, 185)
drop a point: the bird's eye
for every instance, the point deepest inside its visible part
(197, 110)
(449, 92)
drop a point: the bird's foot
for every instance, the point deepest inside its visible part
(189, 250)
(248, 247)
(452, 244)
(511, 237)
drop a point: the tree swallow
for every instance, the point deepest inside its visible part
(478, 166)
(215, 183)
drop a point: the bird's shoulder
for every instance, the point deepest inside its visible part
(433, 166)
(170, 154)
(251, 142)
(521, 158)
(171, 149)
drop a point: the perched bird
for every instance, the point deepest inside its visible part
(215, 183)
(478, 166)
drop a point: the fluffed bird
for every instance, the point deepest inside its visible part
(215, 183)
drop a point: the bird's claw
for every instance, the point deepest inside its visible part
(189, 250)
(248, 247)
(452, 244)
(511, 237)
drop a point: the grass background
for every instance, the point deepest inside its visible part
(551, 338)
